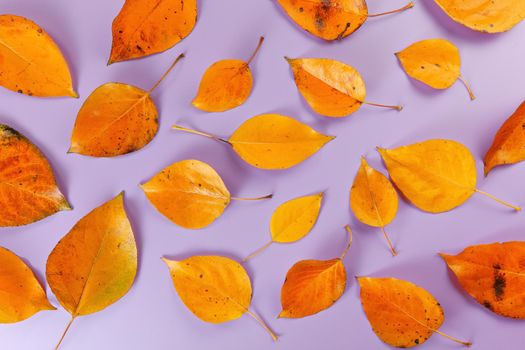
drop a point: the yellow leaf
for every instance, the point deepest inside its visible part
(400, 313)
(21, 295)
(272, 141)
(146, 27)
(508, 146)
(95, 264)
(226, 84)
(116, 119)
(215, 288)
(373, 199)
(293, 220)
(330, 19)
(435, 175)
(435, 62)
(190, 193)
(31, 62)
(330, 87)
(312, 286)
(485, 15)
(28, 189)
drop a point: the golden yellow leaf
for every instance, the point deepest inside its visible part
(401, 313)
(508, 146)
(373, 199)
(293, 220)
(494, 275)
(190, 193)
(21, 295)
(226, 84)
(435, 175)
(330, 19)
(312, 286)
(215, 288)
(95, 263)
(488, 16)
(30, 61)
(330, 87)
(435, 62)
(116, 119)
(28, 189)
(272, 141)
(146, 27)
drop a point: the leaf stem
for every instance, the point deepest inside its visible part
(399, 108)
(261, 322)
(467, 85)
(498, 200)
(406, 7)
(268, 196)
(466, 343)
(347, 227)
(65, 332)
(166, 73)
(257, 251)
(261, 40)
(191, 131)
(392, 249)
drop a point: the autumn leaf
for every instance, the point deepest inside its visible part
(216, 289)
(508, 146)
(293, 220)
(312, 286)
(494, 275)
(435, 175)
(116, 119)
(21, 295)
(485, 15)
(146, 27)
(190, 193)
(272, 141)
(32, 64)
(226, 84)
(401, 313)
(95, 264)
(28, 189)
(434, 62)
(373, 199)
(330, 87)
(330, 19)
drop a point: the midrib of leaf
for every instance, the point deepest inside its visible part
(412, 317)
(34, 194)
(207, 194)
(347, 93)
(295, 221)
(374, 202)
(322, 272)
(520, 274)
(306, 141)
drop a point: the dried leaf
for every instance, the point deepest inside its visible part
(95, 264)
(400, 313)
(508, 146)
(272, 141)
(312, 286)
(330, 19)
(226, 84)
(485, 15)
(215, 288)
(146, 27)
(116, 119)
(373, 199)
(293, 220)
(435, 62)
(31, 62)
(190, 193)
(28, 189)
(21, 295)
(435, 175)
(494, 275)
(330, 87)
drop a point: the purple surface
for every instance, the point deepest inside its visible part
(152, 316)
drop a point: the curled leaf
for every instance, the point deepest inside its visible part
(28, 189)
(494, 275)
(272, 141)
(21, 295)
(215, 288)
(146, 27)
(31, 62)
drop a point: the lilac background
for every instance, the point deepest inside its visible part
(152, 316)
